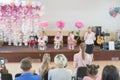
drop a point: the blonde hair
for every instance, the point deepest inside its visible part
(60, 60)
(82, 46)
(45, 66)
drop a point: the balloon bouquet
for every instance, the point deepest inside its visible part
(114, 11)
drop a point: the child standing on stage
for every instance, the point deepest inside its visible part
(70, 41)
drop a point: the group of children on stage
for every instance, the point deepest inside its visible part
(32, 40)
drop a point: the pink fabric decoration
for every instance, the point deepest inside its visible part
(60, 24)
(79, 24)
(44, 24)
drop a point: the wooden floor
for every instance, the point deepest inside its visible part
(21, 52)
(15, 67)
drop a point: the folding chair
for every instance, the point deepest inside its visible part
(7, 76)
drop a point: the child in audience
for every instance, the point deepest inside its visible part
(45, 66)
(110, 72)
(26, 65)
(92, 71)
(60, 73)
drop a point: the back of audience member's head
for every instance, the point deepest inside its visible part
(110, 72)
(60, 61)
(46, 58)
(26, 64)
(92, 70)
(45, 64)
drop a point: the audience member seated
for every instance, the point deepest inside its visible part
(45, 66)
(26, 65)
(110, 72)
(3, 69)
(92, 71)
(60, 73)
(81, 73)
(80, 59)
(19, 74)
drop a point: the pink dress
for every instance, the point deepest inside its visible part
(89, 78)
(70, 41)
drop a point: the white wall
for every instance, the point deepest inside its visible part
(90, 12)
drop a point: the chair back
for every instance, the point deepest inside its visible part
(81, 72)
(7, 76)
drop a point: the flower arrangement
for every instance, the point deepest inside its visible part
(60, 24)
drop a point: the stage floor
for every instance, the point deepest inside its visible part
(22, 49)
(16, 53)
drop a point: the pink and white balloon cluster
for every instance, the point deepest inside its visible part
(113, 11)
(20, 10)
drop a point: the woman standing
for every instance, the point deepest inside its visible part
(89, 38)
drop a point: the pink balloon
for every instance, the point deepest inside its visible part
(60, 24)
(119, 11)
(79, 24)
(44, 24)
(114, 15)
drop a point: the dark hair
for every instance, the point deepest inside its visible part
(110, 72)
(92, 69)
(26, 64)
